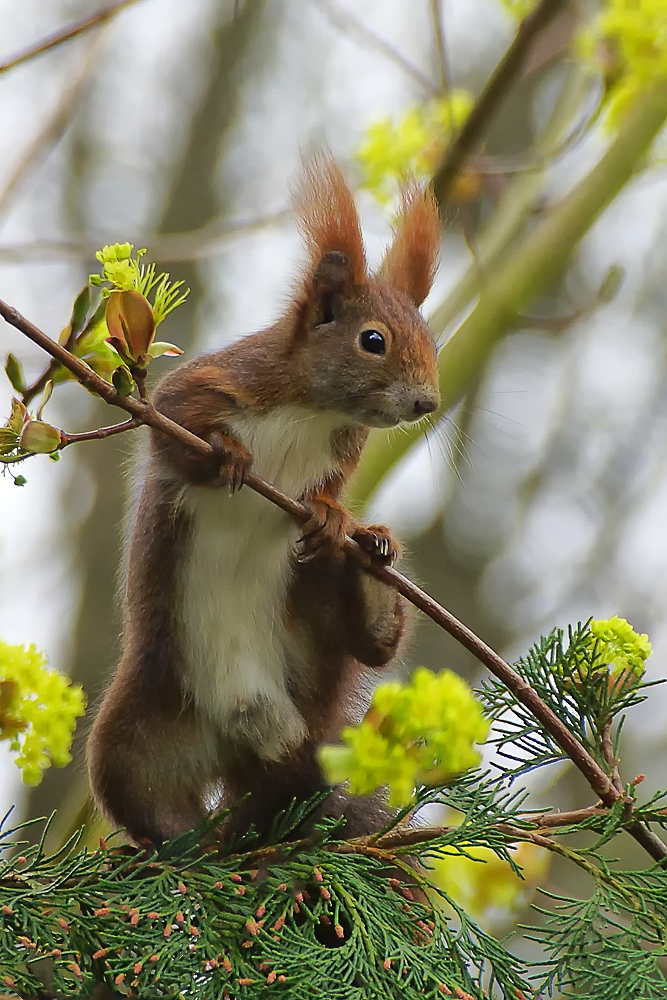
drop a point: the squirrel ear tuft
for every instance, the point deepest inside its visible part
(411, 261)
(328, 219)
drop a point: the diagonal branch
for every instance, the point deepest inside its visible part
(145, 413)
(346, 21)
(64, 34)
(506, 73)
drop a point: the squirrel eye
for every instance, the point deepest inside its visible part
(373, 342)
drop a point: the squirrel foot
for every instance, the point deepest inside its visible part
(378, 542)
(233, 458)
(324, 532)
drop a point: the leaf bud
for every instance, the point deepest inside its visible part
(14, 372)
(39, 438)
(123, 382)
(131, 324)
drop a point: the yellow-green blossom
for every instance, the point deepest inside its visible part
(38, 710)
(518, 8)
(419, 733)
(627, 43)
(117, 265)
(618, 647)
(412, 146)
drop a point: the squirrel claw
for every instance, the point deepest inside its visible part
(378, 542)
(324, 532)
(234, 461)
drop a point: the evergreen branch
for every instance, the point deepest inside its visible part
(191, 921)
(145, 413)
(64, 34)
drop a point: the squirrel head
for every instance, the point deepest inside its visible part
(361, 343)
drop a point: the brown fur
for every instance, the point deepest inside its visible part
(156, 761)
(327, 217)
(412, 260)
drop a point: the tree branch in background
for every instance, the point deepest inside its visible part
(71, 30)
(143, 412)
(173, 247)
(55, 125)
(346, 21)
(507, 72)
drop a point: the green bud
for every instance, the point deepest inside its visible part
(46, 396)
(80, 310)
(20, 481)
(123, 382)
(39, 438)
(14, 372)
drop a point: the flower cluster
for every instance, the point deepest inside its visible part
(131, 317)
(411, 147)
(617, 648)
(38, 710)
(419, 733)
(627, 43)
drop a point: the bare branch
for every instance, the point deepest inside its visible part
(69, 31)
(441, 46)
(54, 126)
(173, 247)
(346, 21)
(100, 432)
(146, 413)
(506, 73)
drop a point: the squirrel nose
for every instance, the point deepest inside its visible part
(424, 404)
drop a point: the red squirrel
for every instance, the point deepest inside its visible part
(248, 639)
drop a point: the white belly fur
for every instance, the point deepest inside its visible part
(235, 580)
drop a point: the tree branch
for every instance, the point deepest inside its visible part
(64, 34)
(145, 413)
(506, 73)
(100, 432)
(346, 21)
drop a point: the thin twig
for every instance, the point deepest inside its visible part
(346, 21)
(98, 433)
(441, 46)
(506, 73)
(146, 413)
(64, 34)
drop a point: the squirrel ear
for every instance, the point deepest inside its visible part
(328, 219)
(412, 259)
(332, 280)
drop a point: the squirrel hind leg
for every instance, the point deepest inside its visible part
(153, 779)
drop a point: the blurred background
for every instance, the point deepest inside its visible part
(540, 500)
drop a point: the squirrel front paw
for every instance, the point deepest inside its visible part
(233, 461)
(324, 532)
(378, 542)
